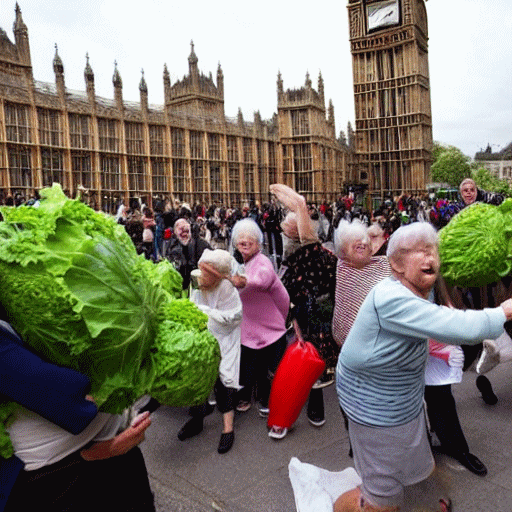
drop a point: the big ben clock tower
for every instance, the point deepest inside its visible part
(393, 136)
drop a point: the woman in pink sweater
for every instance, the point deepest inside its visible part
(265, 303)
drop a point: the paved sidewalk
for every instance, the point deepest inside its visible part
(253, 477)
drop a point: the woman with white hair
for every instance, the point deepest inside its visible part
(381, 368)
(308, 272)
(357, 272)
(265, 304)
(218, 298)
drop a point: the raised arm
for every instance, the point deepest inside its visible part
(297, 204)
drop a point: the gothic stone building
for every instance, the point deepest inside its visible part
(187, 149)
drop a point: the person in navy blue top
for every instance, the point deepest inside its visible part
(90, 477)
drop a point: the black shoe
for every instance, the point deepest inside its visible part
(193, 427)
(226, 442)
(471, 462)
(484, 386)
(208, 408)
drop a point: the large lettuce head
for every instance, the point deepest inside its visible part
(476, 246)
(76, 290)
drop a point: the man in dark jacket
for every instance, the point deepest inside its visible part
(184, 250)
(470, 194)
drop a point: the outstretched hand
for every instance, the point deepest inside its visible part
(288, 197)
(507, 307)
(120, 444)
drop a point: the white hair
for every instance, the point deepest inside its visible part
(248, 228)
(375, 229)
(467, 180)
(181, 220)
(348, 232)
(218, 259)
(410, 235)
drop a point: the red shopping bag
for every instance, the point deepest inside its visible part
(299, 369)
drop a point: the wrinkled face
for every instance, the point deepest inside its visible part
(248, 246)
(357, 253)
(468, 193)
(182, 231)
(418, 268)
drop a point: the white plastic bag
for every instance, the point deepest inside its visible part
(495, 352)
(317, 489)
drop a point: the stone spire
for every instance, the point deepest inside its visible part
(58, 67)
(142, 84)
(89, 82)
(220, 81)
(192, 65)
(321, 92)
(280, 90)
(143, 88)
(21, 37)
(88, 72)
(308, 81)
(19, 24)
(167, 85)
(118, 88)
(116, 78)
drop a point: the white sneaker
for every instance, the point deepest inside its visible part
(277, 432)
(263, 411)
(316, 423)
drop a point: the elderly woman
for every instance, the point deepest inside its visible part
(381, 369)
(308, 272)
(357, 272)
(265, 304)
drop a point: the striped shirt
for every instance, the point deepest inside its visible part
(352, 287)
(380, 377)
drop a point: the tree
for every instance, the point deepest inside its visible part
(485, 180)
(450, 165)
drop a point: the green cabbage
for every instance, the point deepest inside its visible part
(76, 290)
(475, 247)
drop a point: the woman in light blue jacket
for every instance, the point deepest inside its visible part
(381, 369)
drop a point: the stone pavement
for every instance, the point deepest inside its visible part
(191, 476)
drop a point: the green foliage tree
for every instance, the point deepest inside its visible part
(450, 165)
(485, 180)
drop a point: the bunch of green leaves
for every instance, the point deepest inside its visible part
(76, 290)
(476, 246)
(186, 364)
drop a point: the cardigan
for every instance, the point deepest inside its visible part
(265, 304)
(380, 376)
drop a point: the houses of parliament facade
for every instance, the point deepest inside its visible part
(187, 149)
(110, 150)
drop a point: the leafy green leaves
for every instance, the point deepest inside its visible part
(80, 296)
(475, 247)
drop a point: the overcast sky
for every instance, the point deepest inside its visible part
(470, 54)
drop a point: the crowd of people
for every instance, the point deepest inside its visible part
(363, 287)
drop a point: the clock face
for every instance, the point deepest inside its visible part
(383, 14)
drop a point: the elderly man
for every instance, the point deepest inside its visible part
(470, 194)
(184, 250)
(477, 297)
